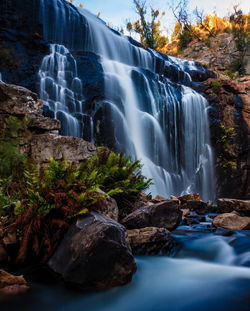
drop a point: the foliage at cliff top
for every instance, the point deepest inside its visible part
(49, 198)
(148, 28)
(201, 27)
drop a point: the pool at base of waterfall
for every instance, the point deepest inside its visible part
(206, 272)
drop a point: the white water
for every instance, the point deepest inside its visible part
(164, 124)
(61, 89)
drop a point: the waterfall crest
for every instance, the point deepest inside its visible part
(146, 101)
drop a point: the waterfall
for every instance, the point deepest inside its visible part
(154, 115)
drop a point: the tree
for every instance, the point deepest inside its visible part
(184, 31)
(148, 26)
(203, 22)
(182, 16)
(240, 29)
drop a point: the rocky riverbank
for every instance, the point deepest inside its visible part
(97, 250)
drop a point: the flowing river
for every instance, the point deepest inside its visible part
(207, 271)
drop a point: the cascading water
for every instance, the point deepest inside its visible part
(62, 92)
(154, 115)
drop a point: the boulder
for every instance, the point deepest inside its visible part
(150, 241)
(189, 197)
(12, 284)
(199, 207)
(229, 205)
(232, 221)
(166, 214)
(94, 254)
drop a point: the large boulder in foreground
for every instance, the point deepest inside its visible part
(230, 205)
(12, 284)
(232, 221)
(166, 214)
(94, 254)
(150, 241)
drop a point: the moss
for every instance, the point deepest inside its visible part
(230, 74)
(216, 86)
(228, 165)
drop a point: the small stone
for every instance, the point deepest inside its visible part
(12, 284)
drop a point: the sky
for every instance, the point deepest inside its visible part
(116, 12)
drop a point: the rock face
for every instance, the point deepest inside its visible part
(94, 254)
(11, 284)
(230, 134)
(217, 54)
(232, 221)
(230, 205)
(38, 135)
(162, 215)
(150, 241)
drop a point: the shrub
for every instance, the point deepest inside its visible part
(216, 86)
(230, 74)
(49, 198)
(238, 65)
(184, 38)
(226, 134)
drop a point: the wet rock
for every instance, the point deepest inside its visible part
(187, 221)
(150, 241)
(162, 215)
(94, 254)
(229, 205)
(189, 197)
(12, 284)
(199, 207)
(232, 221)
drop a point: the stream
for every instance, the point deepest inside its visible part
(207, 271)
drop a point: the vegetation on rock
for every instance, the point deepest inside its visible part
(48, 198)
(216, 86)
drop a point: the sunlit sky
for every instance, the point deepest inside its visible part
(116, 12)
